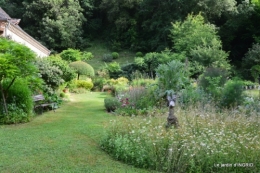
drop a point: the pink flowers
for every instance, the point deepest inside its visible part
(125, 102)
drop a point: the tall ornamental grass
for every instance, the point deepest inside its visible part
(206, 141)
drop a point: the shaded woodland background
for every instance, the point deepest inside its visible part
(139, 25)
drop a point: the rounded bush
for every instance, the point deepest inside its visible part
(111, 104)
(88, 85)
(139, 54)
(115, 55)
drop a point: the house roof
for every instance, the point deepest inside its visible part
(14, 22)
(4, 15)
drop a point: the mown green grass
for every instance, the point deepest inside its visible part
(98, 49)
(63, 141)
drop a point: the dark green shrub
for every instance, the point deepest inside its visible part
(115, 55)
(232, 94)
(15, 115)
(210, 73)
(107, 58)
(98, 82)
(21, 95)
(139, 54)
(212, 81)
(111, 104)
(88, 85)
(19, 102)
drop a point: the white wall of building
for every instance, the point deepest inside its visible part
(21, 37)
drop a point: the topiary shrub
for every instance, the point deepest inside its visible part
(82, 68)
(88, 85)
(139, 54)
(115, 55)
(111, 104)
(107, 58)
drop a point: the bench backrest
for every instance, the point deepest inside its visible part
(38, 98)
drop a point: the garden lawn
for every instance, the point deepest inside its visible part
(63, 141)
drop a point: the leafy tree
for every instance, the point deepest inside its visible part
(199, 42)
(82, 68)
(252, 57)
(213, 9)
(58, 23)
(211, 55)
(16, 60)
(255, 72)
(239, 31)
(191, 33)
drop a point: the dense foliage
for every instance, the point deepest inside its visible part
(51, 75)
(146, 25)
(16, 60)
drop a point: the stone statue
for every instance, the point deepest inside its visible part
(171, 119)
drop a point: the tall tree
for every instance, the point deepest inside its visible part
(240, 31)
(199, 42)
(58, 23)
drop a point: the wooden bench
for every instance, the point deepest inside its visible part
(41, 103)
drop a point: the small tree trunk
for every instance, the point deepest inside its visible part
(3, 97)
(78, 76)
